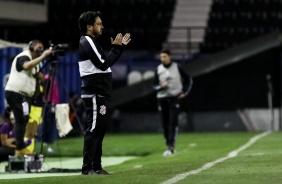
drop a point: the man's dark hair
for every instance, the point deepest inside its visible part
(87, 18)
(165, 51)
(33, 43)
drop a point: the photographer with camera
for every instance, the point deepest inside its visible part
(96, 75)
(21, 86)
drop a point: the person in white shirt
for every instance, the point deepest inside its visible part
(21, 86)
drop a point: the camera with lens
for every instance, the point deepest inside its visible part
(60, 49)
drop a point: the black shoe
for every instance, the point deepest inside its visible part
(91, 172)
(102, 172)
(172, 149)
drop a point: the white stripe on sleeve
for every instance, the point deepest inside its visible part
(94, 48)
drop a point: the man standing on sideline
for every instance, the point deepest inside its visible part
(96, 75)
(21, 86)
(172, 85)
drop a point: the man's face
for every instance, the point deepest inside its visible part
(165, 58)
(97, 28)
(38, 49)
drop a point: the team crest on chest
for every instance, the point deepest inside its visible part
(102, 109)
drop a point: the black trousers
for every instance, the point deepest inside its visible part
(97, 110)
(15, 101)
(169, 110)
(5, 152)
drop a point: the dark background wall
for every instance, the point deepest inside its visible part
(240, 85)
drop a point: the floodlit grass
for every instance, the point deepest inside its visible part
(260, 163)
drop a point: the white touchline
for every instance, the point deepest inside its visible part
(210, 164)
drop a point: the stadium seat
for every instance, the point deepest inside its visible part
(134, 77)
(246, 19)
(142, 18)
(148, 74)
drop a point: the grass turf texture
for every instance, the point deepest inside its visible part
(260, 163)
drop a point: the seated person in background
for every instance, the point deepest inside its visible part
(7, 137)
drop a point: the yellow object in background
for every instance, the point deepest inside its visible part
(35, 114)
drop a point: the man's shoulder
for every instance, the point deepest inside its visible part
(176, 65)
(159, 66)
(87, 40)
(24, 57)
(20, 61)
(82, 38)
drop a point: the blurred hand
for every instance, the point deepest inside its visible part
(164, 84)
(46, 53)
(182, 95)
(10, 140)
(126, 39)
(118, 39)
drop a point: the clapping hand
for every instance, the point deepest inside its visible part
(126, 39)
(182, 95)
(119, 40)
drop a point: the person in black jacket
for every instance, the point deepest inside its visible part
(172, 84)
(96, 75)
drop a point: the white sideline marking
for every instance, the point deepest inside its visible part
(192, 145)
(138, 166)
(70, 163)
(210, 164)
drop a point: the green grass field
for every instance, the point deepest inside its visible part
(201, 158)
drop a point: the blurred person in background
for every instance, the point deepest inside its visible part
(48, 131)
(96, 75)
(116, 120)
(35, 116)
(172, 85)
(76, 114)
(20, 89)
(7, 136)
